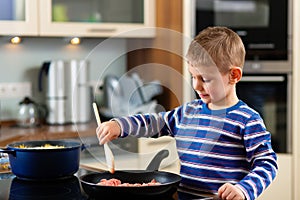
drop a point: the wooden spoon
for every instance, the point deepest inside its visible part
(110, 160)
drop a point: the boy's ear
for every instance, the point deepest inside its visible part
(235, 75)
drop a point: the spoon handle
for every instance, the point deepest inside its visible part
(97, 115)
(110, 160)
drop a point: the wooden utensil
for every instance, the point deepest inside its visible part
(110, 160)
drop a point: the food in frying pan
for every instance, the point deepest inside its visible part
(45, 146)
(117, 182)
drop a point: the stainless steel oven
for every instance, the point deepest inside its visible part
(270, 95)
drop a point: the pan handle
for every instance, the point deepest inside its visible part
(155, 162)
(13, 152)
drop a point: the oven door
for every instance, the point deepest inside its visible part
(270, 95)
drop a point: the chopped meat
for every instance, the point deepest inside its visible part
(117, 182)
(110, 182)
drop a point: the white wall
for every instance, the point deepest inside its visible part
(21, 63)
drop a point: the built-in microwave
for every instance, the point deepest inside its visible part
(263, 25)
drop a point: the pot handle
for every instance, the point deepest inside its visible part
(13, 152)
(155, 162)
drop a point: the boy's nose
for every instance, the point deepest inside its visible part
(198, 85)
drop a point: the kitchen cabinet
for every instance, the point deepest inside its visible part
(295, 101)
(281, 188)
(94, 18)
(19, 17)
(91, 18)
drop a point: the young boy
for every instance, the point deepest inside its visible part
(223, 145)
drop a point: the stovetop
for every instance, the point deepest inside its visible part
(69, 188)
(13, 188)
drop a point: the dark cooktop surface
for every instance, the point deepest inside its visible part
(13, 188)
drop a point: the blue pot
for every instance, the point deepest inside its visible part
(43, 163)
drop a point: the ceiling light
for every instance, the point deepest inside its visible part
(15, 40)
(75, 40)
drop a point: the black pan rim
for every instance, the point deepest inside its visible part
(177, 178)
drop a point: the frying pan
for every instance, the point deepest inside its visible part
(168, 186)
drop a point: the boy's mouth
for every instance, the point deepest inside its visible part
(203, 95)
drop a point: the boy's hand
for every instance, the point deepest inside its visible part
(230, 192)
(108, 131)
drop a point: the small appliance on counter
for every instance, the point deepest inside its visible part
(129, 95)
(29, 114)
(68, 93)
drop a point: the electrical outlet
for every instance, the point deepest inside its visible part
(15, 90)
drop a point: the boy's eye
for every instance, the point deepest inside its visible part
(205, 80)
(200, 78)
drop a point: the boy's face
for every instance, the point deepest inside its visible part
(212, 87)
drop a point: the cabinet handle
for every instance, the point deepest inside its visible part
(263, 79)
(95, 30)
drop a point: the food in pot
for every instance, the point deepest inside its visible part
(45, 146)
(117, 182)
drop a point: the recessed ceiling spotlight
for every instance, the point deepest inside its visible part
(15, 40)
(75, 41)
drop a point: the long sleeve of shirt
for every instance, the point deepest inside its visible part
(214, 147)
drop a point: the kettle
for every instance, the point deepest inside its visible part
(28, 114)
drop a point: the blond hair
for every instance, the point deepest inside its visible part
(218, 46)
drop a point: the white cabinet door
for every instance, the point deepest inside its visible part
(281, 188)
(18, 17)
(97, 18)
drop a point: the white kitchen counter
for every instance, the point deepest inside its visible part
(129, 161)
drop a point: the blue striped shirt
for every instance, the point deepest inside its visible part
(214, 147)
